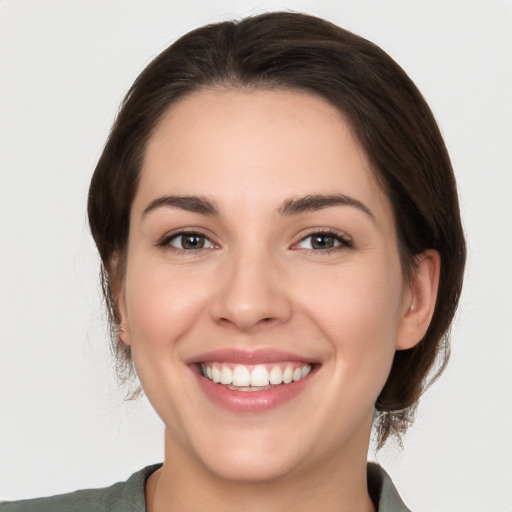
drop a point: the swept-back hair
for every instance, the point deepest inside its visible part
(388, 116)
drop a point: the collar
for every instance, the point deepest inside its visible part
(382, 490)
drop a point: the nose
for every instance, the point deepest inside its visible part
(252, 293)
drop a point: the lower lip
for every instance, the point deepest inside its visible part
(250, 401)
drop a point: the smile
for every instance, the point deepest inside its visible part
(259, 377)
(252, 382)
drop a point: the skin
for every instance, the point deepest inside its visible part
(258, 282)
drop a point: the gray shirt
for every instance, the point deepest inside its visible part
(129, 496)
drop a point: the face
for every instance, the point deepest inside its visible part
(263, 296)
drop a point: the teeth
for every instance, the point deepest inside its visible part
(287, 375)
(215, 374)
(258, 376)
(241, 376)
(276, 375)
(226, 375)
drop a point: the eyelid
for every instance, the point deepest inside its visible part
(165, 240)
(345, 241)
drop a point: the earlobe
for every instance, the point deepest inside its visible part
(118, 296)
(124, 335)
(123, 331)
(419, 308)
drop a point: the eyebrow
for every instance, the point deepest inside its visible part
(293, 206)
(195, 204)
(314, 202)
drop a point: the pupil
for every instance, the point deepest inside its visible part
(322, 242)
(193, 242)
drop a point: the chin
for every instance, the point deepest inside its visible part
(246, 454)
(253, 466)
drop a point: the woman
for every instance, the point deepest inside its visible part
(278, 223)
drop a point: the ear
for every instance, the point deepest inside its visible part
(117, 288)
(420, 300)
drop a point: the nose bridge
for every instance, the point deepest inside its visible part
(251, 292)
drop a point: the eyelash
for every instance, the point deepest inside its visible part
(165, 242)
(342, 240)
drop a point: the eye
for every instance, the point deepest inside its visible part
(188, 241)
(323, 242)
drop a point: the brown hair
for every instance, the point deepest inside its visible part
(388, 115)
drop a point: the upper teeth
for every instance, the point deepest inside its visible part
(255, 376)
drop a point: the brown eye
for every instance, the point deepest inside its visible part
(323, 242)
(190, 242)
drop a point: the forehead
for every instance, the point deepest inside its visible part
(255, 145)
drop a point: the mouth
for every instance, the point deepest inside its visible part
(252, 381)
(260, 377)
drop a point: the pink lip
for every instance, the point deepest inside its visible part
(259, 356)
(249, 401)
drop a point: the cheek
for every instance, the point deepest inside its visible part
(358, 310)
(162, 305)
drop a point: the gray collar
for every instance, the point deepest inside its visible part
(382, 490)
(129, 496)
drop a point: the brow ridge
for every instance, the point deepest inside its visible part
(313, 202)
(196, 204)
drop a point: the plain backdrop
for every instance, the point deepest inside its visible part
(64, 67)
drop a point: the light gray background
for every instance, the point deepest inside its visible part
(64, 67)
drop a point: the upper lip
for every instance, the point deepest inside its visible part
(248, 357)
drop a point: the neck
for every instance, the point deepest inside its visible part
(183, 483)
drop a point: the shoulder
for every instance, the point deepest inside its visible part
(382, 490)
(125, 496)
(128, 496)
